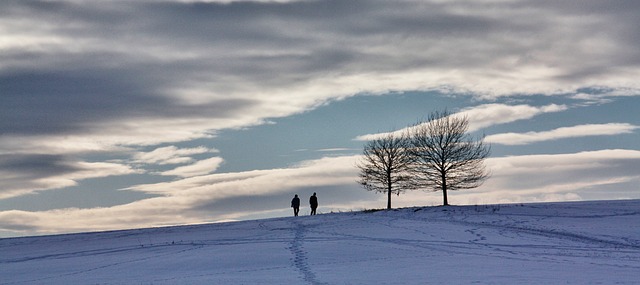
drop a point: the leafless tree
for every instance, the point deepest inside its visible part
(385, 164)
(445, 156)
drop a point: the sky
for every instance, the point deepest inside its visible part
(128, 114)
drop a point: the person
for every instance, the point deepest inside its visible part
(313, 201)
(295, 204)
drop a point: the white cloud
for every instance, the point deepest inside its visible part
(604, 174)
(495, 114)
(198, 168)
(170, 155)
(186, 200)
(561, 133)
(54, 174)
(487, 115)
(594, 175)
(330, 170)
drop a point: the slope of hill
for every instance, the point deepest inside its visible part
(569, 243)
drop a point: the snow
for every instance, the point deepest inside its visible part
(553, 243)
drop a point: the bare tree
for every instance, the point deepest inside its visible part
(385, 165)
(446, 157)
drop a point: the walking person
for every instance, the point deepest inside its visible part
(295, 204)
(313, 201)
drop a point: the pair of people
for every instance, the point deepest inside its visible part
(313, 202)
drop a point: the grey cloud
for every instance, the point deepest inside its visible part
(25, 173)
(62, 102)
(320, 29)
(54, 102)
(304, 40)
(21, 174)
(36, 165)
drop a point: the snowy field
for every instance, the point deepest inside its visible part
(556, 243)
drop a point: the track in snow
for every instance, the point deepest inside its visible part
(575, 243)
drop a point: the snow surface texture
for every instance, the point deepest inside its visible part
(557, 243)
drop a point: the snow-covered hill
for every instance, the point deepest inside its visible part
(557, 243)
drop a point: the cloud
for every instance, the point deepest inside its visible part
(562, 133)
(201, 167)
(593, 175)
(495, 114)
(601, 95)
(104, 79)
(487, 115)
(197, 199)
(170, 155)
(115, 63)
(603, 174)
(329, 170)
(24, 174)
(146, 73)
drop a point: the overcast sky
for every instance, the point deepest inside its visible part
(126, 114)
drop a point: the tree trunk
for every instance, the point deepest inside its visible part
(444, 191)
(389, 194)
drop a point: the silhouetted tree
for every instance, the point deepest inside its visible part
(385, 164)
(445, 156)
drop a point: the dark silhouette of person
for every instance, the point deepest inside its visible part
(295, 204)
(313, 201)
